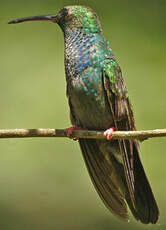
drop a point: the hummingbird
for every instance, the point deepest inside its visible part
(98, 100)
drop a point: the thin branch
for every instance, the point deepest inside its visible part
(24, 133)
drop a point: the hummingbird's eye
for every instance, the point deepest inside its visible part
(64, 12)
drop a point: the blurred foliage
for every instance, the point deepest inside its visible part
(44, 183)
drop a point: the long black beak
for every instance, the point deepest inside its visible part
(52, 18)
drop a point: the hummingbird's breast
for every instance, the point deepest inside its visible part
(85, 55)
(83, 50)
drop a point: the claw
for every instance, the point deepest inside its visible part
(70, 130)
(108, 133)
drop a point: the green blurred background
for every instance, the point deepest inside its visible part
(44, 184)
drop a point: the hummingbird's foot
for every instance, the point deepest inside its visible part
(108, 133)
(70, 130)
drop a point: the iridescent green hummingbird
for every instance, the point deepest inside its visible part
(98, 100)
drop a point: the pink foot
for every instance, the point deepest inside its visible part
(108, 133)
(70, 130)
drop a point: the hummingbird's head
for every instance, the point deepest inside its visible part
(79, 17)
(70, 17)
